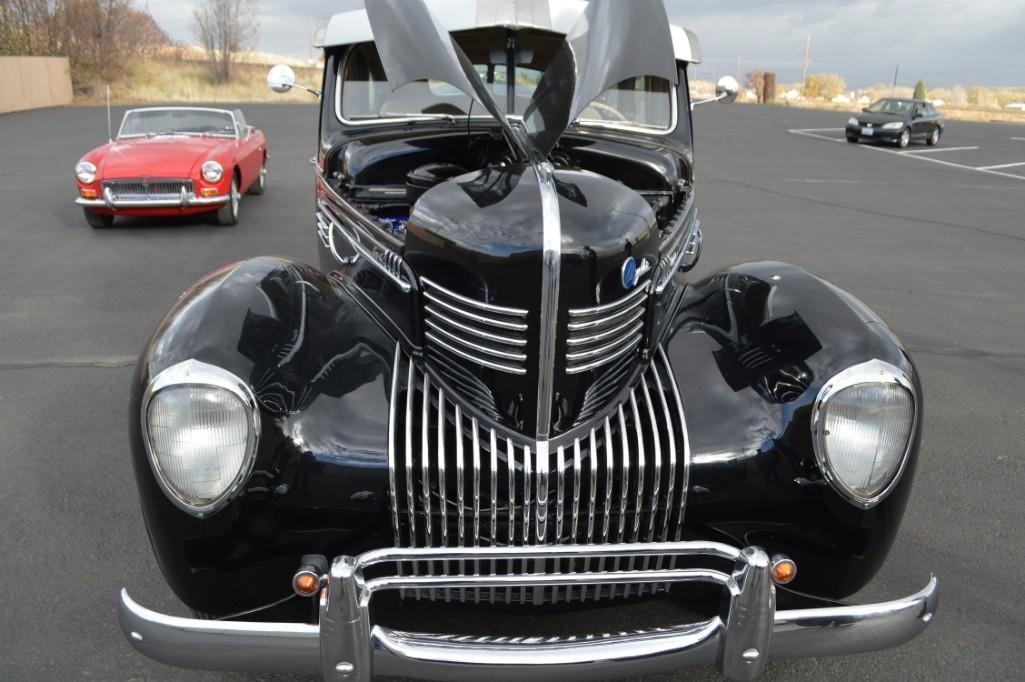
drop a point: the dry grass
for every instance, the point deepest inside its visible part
(174, 80)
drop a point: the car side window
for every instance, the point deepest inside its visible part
(243, 127)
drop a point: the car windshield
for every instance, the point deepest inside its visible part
(644, 101)
(899, 107)
(150, 122)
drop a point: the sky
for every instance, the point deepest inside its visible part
(943, 42)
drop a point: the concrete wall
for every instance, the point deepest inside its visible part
(34, 82)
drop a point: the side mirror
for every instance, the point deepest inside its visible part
(281, 78)
(726, 89)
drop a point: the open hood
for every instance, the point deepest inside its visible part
(597, 54)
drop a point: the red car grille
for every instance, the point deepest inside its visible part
(141, 189)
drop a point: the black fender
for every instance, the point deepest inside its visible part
(320, 369)
(751, 347)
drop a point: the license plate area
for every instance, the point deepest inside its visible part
(868, 132)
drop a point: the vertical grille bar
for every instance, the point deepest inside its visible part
(425, 461)
(494, 502)
(624, 490)
(672, 463)
(510, 463)
(574, 538)
(476, 501)
(541, 509)
(592, 502)
(656, 456)
(461, 492)
(528, 491)
(392, 464)
(443, 481)
(560, 498)
(685, 436)
(410, 494)
(609, 451)
(641, 483)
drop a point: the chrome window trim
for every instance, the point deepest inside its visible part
(208, 109)
(674, 113)
(870, 372)
(196, 373)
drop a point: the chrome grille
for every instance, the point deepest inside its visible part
(141, 189)
(487, 335)
(457, 483)
(605, 333)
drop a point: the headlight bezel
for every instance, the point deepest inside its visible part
(876, 372)
(201, 374)
(853, 121)
(212, 171)
(87, 168)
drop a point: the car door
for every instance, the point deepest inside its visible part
(920, 123)
(248, 152)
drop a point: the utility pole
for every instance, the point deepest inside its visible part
(804, 75)
(896, 72)
(739, 68)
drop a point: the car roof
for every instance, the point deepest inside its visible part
(555, 16)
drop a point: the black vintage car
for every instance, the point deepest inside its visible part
(897, 121)
(499, 395)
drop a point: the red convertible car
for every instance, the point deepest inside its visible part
(172, 161)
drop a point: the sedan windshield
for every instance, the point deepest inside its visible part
(898, 107)
(151, 122)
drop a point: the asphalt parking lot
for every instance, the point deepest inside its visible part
(936, 247)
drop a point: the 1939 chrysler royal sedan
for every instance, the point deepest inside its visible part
(500, 402)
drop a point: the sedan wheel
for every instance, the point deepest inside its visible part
(935, 137)
(228, 214)
(905, 138)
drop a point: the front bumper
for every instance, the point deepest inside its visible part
(183, 200)
(347, 646)
(878, 133)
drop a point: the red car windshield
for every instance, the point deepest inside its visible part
(151, 122)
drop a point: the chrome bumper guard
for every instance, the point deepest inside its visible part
(183, 200)
(346, 646)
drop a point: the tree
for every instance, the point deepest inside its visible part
(920, 91)
(824, 85)
(225, 28)
(99, 37)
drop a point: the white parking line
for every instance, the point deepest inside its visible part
(1020, 139)
(1003, 165)
(933, 150)
(812, 132)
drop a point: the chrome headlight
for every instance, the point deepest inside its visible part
(863, 421)
(852, 121)
(893, 125)
(85, 172)
(212, 171)
(200, 425)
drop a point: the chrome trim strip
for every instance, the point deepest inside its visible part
(541, 507)
(528, 492)
(607, 319)
(494, 501)
(551, 223)
(638, 292)
(197, 373)
(629, 337)
(576, 369)
(502, 310)
(510, 464)
(592, 486)
(501, 324)
(585, 340)
(577, 463)
(624, 487)
(443, 481)
(387, 262)
(410, 495)
(505, 355)
(656, 456)
(188, 201)
(671, 438)
(470, 329)
(473, 358)
(425, 460)
(560, 466)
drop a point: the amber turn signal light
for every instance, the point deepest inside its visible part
(208, 191)
(306, 583)
(784, 570)
(89, 193)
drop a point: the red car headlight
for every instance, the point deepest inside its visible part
(85, 172)
(212, 171)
